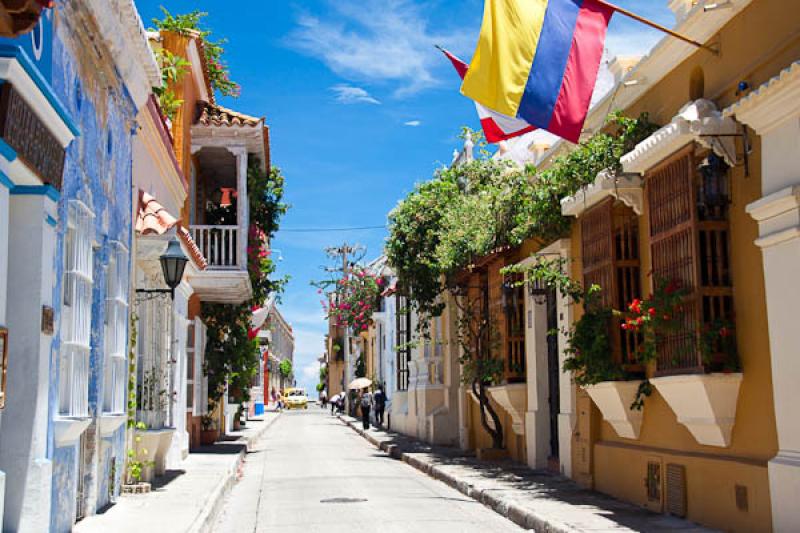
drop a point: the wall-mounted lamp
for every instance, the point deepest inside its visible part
(173, 263)
(538, 290)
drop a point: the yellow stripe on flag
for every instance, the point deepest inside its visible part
(506, 47)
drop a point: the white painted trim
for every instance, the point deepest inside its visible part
(69, 430)
(108, 424)
(772, 103)
(704, 403)
(15, 74)
(513, 398)
(614, 399)
(695, 122)
(628, 189)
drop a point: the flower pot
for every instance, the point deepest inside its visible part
(208, 437)
(614, 399)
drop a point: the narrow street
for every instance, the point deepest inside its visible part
(312, 473)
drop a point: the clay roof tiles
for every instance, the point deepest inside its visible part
(215, 115)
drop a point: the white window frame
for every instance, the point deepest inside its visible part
(76, 322)
(116, 330)
(200, 381)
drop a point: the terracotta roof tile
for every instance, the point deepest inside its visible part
(214, 115)
(152, 217)
(194, 250)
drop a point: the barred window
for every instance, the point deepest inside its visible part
(116, 329)
(403, 315)
(73, 392)
(610, 251)
(514, 306)
(689, 235)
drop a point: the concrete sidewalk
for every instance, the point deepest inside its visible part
(531, 499)
(185, 500)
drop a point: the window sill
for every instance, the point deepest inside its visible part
(704, 403)
(109, 423)
(614, 399)
(69, 429)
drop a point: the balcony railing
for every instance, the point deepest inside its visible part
(220, 246)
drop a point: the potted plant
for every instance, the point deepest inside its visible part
(208, 434)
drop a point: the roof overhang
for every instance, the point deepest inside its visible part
(626, 188)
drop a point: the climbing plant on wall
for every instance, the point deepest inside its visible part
(231, 357)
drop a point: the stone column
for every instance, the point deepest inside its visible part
(537, 425)
(23, 441)
(773, 111)
(242, 205)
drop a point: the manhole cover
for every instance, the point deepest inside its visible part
(343, 500)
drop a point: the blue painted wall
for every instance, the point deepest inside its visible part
(98, 172)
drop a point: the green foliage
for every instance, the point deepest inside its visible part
(132, 371)
(285, 368)
(320, 387)
(589, 351)
(173, 69)
(190, 24)
(231, 357)
(471, 210)
(136, 464)
(361, 366)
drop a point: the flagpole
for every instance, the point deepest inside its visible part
(657, 26)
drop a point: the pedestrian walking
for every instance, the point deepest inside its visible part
(366, 405)
(379, 399)
(276, 399)
(323, 398)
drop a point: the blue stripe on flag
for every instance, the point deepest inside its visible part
(549, 62)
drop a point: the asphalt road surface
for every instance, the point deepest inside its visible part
(310, 473)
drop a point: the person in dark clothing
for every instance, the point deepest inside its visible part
(366, 404)
(380, 405)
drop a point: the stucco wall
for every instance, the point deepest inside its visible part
(712, 473)
(97, 172)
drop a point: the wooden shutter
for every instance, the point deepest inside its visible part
(673, 242)
(676, 490)
(515, 329)
(610, 251)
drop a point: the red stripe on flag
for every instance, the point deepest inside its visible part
(459, 65)
(494, 134)
(580, 75)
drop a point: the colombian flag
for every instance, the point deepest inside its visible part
(537, 60)
(496, 127)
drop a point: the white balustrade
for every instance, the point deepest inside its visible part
(219, 245)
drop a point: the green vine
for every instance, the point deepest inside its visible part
(190, 24)
(231, 357)
(173, 69)
(132, 371)
(469, 211)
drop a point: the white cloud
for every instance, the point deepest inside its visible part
(376, 41)
(413, 123)
(347, 94)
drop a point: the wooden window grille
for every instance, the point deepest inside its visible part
(403, 315)
(676, 490)
(514, 306)
(610, 251)
(689, 239)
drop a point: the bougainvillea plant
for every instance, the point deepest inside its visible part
(353, 298)
(656, 316)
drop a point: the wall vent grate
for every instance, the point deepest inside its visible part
(676, 490)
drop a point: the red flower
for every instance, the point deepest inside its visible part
(651, 311)
(636, 306)
(640, 321)
(724, 332)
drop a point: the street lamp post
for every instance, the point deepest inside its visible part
(173, 263)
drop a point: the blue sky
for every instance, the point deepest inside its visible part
(360, 106)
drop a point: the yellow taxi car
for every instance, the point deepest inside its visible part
(296, 398)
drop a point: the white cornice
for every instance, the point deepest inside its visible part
(775, 204)
(122, 28)
(697, 121)
(772, 103)
(628, 189)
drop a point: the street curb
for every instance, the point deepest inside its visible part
(491, 498)
(211, 511)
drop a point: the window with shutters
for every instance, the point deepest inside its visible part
(514, 307)
(116, 329)
(403, 315)
(689, 242)
(73, 388)
(610, 251)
